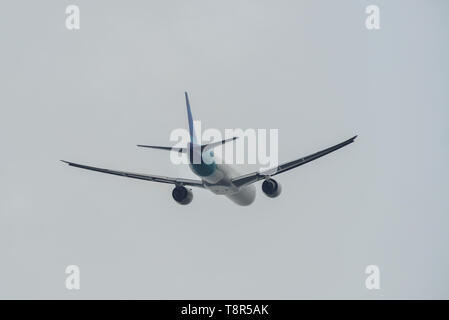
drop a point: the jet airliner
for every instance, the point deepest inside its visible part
(219, 178)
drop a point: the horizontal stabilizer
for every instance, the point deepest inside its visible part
(216, 144)
(203, 147)
(163, 148)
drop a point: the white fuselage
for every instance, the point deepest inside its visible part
(220, 182)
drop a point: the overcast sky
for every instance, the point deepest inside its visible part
(308, 68)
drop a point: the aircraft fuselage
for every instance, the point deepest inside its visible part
(218, 179)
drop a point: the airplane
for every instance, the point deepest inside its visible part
(219, 178)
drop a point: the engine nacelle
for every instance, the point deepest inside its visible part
(271, 188)
(182, 195)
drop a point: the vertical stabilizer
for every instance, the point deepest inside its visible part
(189, 116)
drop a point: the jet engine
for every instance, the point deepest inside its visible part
(271, 188)
(182, 195)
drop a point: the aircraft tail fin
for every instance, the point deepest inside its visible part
(189, 116)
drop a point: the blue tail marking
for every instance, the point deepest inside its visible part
(189, 115)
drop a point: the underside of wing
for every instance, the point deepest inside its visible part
(162, 179)
(256, 176)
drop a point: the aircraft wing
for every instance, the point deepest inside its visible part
(256, 176)
(176, 181)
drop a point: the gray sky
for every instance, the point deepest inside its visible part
(308, 68)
